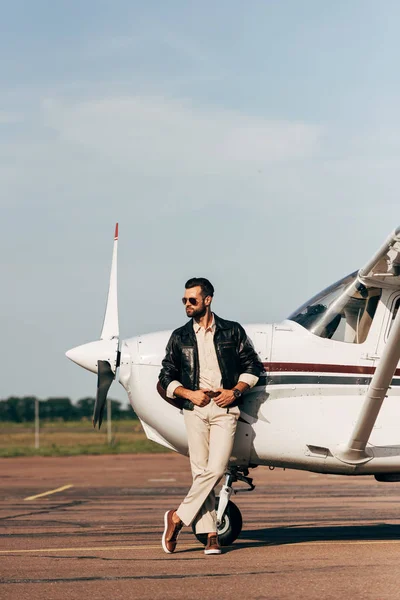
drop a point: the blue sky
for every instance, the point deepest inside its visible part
(254, 143)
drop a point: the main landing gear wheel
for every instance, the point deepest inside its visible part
(230, 528)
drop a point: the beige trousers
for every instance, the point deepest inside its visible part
(211, 433)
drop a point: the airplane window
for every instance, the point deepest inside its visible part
(342, 312)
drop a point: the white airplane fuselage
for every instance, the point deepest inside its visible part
(329, 398)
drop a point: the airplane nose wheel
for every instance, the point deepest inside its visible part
(229, 517)
(230, 527)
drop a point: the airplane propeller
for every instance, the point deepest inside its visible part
(103, 356)
(105, 377)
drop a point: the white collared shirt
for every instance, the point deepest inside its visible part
(210, 377)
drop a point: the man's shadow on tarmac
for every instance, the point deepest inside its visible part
(278, 536)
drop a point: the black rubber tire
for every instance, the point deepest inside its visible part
(230, 528)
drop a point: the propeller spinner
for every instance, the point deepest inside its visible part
(102, 357)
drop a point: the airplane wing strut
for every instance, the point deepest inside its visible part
(355, 450)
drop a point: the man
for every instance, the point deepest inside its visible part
(208, 365)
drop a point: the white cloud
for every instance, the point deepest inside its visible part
(171, 154)
(161, 136)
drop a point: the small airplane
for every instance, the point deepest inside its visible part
(328, 400)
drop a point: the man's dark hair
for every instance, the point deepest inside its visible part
(207, 287)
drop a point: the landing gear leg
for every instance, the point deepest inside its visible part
(229, 518)
(224, 497)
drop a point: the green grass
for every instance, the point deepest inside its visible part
(72, 438)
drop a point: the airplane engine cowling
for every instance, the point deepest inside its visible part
(88, 355)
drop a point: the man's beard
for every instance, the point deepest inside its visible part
(197, 313)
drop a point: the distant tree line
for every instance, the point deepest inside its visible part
(20, 410)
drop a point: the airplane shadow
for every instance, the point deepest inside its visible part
(277, 536)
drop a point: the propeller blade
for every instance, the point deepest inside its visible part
(105, 377)
(103, 356)
(110, 325)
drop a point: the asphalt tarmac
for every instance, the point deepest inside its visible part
(90, 527)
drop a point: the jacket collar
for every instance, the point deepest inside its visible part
(221, 323)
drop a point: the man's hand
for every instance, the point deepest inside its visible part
(200, 397)
(224, 398)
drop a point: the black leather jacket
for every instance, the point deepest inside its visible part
(235, 354)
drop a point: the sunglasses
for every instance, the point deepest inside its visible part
(192, 301)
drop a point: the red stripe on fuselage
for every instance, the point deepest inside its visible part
(319, 368)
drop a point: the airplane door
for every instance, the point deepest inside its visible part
(392, 308)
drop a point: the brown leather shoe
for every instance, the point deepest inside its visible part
(171, 532)
(213, 546)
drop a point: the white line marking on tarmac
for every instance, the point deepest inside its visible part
(161, 480)
(97, 548)
(60, 489)
(188, 546)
